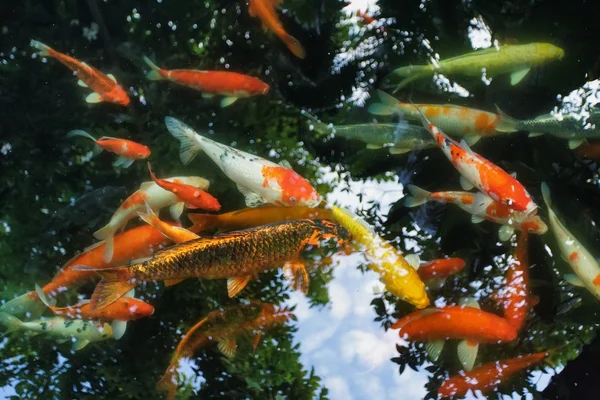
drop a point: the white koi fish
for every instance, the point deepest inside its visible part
(259, 180)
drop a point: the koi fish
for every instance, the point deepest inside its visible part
(398, 276)
(575, 128)
(481, 208)
(177, 234)
(133, 244)
(470, 123)
(488, 376)
(127, 150)
(223, 327)
(105, 87)
(440, 268)
(479, 172)
(265, 11)
(235, 256)
(80, 331)
(251, 217)
(516, 60)
(259, 180)
(397, 138)
(193, 197)
(222, 83)
(466, 322)
(149, 193)
(585, 267)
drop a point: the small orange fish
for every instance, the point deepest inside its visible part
(265, 11)
(127, 150)
(487, 376)
(193, 196)
(105, 87)
(440, 268)
(177, 234)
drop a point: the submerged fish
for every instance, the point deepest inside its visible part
(584, 265)
(127, 150)
(259, 180)
(487, 376)
(466, 322)
(105, 87)
(176, 233)
(571, 127)
(223, 328)
(439, 269)
(516, 60)
(265, 11)
(236, 256)
(481, 173)
(470, 123)
(398, 276)
(149, 193)
(589, 150)
(80, 331)
(222, 83)
(481, 208)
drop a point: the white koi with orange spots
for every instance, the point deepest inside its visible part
(583, 264)
(156, 198)
(260, 180)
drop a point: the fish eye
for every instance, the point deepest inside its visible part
(509, 202)
(293, 200)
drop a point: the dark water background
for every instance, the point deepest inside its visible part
(339, 347)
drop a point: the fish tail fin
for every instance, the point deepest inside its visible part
(168, 383)
(155, 73)
(115, 283)
(10, 323)
(26, 304)
(43, 50)
(203, 222)
(149, 217)
(417, 196)
(107, 234)
(294, 46)
(506, 123)
(186, 135)
(79, 132)
(47, 302)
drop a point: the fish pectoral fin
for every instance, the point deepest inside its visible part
(227, 101)
(63, 340)
(469, 302)
(123, 162)
(381, 109)
(82, 83)
(295, 271)
(252, 199)
(505, 232)
(79, 344)
(467, 353)
(176, 210)
(228, 347)
(575, 143)
(208, 95)
(535, 134)
(471, 139)
(256, 340)
(112, 77)
(475, 219)
(237, 284)
(518, 76)
(93, 98)
(436, 283)
(480, 204)
(286, 164)
(398, 150)
(465, 146)
(371, 146)
(413, 260)
(118, 328)
(434, 349)
(573, 280)
(172, 282)
(465, 184)
(146, 185)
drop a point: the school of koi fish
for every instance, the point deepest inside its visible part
(286, 217)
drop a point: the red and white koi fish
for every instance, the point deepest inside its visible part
(479, 172)
(259, 180)
(105, 87)
(481, 207)
(127, 150)
(584, 265)
(222, 83)
(153, 195)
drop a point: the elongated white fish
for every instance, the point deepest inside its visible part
(586, 268)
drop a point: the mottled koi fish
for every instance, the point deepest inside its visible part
(222, 83)
(127, 150)
(105, 87)
(223, 328)
(260, 180)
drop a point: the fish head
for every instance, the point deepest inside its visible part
(552, 51)
(534, 224)
(137, 308)
(117, 96)
(294, 189)
(328, 230)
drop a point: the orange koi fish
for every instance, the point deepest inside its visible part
(478, 172)
(105, 87)
(488, 376)
(467, 322)
(193, 196)
(127, 150)
(440, 268)
(121, 311)
(177, 234)
(222, 83)
(481, 208)
(265, 11)
(223, 328)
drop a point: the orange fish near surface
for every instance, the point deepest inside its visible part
(105, 87)
(265, 11)
(193, 196)
(223, 83)
(127, 150)
(487, 376)
(440, 268)
(223, 327)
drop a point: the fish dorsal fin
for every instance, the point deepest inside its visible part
(237, 284)
(434, 349)
(112, 77)
(469, 302)
(465, 183)
(467, 353)
(413, 260)
(228, 347)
